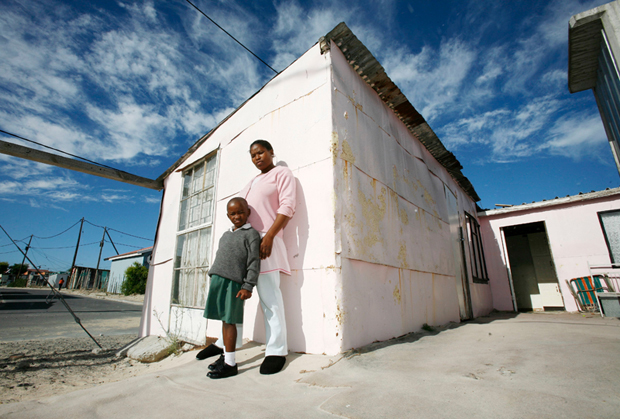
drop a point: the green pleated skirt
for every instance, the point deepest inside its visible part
(222, 302)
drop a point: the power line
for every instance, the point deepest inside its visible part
(94, 225)
(118, 231)
(56, 235)
(127, 234)
(64, 247)
(235, 39)
(127, 245)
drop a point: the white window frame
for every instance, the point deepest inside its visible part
(194, 239)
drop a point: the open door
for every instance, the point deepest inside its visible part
(534, 279)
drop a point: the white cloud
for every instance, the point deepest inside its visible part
(506, 134)
(432, 80)
(110, 88)
(297, 28)
(152, 199)
(576, 136)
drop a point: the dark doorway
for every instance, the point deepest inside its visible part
(534, 279)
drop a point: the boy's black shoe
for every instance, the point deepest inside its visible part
(272, 364)
(217, 364)
(224, 372)
(208, 352)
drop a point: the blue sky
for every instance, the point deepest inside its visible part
(133, 84)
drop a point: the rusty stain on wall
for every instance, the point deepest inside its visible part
(347, 152)
(351, 219)
(373, 212)
(333, 149)
(396, 294)
(340, 314)
(402, 255)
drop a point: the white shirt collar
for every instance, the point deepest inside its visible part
(243, 227)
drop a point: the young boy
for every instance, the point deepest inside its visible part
(233, 276)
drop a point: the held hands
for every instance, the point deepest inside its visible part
(244, 294)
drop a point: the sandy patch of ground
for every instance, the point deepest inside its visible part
(34, 369)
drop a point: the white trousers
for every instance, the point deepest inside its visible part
(272, 304)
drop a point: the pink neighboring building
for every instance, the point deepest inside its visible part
(533, 249)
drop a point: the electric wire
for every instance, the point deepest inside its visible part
(56, 235)
(94, 225)
(6, 253)
(63, 247)
(127, 234)
(53, 265)
(118, 231)
(235, 39)
(126, 245)
(55, 291)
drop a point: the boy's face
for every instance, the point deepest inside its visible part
(238, 213)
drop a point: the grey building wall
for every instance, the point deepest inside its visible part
(118, 268)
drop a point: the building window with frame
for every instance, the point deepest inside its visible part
(191, 261)
(610, 223)
(476, 251)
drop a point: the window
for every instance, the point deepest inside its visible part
(607, 93)
(610, 222)
(476, 252)
(191, 262)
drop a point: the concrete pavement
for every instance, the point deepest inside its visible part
(504, 366)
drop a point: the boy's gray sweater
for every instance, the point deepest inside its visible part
(237, 257)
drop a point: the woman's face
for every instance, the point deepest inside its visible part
(262, 158)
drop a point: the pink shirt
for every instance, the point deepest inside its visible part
(273, 193)
(268, 195)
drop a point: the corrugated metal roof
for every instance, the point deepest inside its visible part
(545, 203)
(367, 66)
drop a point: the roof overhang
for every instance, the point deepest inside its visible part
(135, 253)
(584, 45)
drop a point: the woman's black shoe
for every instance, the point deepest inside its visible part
(272, 364)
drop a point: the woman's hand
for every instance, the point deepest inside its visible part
(244, 294)
(266, 244)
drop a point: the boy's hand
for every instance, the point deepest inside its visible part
(244, 294)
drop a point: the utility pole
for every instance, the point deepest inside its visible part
(76, 251)
(24, 259)
(96, 284)
(115, 249)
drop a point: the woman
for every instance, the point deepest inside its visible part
(272, 198)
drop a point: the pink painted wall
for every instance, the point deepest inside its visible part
(575, 237)
(393, 228)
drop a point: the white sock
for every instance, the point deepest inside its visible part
(229, 358)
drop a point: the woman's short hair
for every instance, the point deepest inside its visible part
(262, 143)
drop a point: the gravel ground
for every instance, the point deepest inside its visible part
(34, 369)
